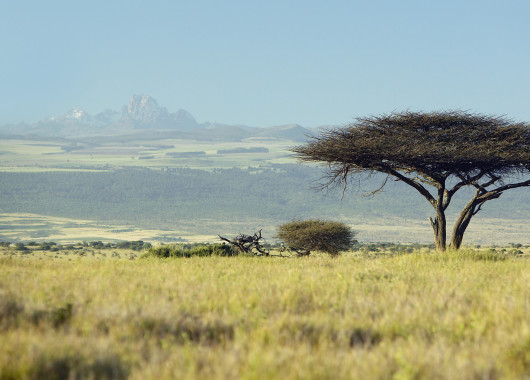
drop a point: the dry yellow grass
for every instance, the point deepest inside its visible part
(417, 316)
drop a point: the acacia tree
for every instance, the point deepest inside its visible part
(436, 153)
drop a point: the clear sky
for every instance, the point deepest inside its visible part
(263, 63)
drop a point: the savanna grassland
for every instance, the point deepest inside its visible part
(170, 190)
(421, 315)
(95, 310)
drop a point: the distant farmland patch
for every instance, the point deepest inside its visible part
(244, 150)
(186, 154)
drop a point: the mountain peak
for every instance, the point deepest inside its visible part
(75, 115)
(143, 113)
(145, 109)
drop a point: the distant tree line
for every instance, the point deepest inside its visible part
(137, 245)
(154, 198)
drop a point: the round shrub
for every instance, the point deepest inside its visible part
(304, 236)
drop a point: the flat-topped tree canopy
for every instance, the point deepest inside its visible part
(438, 144)
(426, 149)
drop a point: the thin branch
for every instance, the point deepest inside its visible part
(344, 180)
(426, 181)
(483, 186)
(380, 188)
(479, 207)
(465, 181)
(418, 186)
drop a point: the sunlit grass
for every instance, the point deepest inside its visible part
(27, 226)
(37, 156)
(423, 315)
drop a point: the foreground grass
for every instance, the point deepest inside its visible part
(423, 315)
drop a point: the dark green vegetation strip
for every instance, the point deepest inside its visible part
(181, 250)
(152, 198)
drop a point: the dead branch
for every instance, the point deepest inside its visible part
(250, 244)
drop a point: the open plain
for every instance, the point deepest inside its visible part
(382, 311)
(110, 314)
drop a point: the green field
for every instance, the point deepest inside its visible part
(35, 155)
(101, 314)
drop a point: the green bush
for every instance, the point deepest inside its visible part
(181, 250)
(134, 245)
(97, 244)
(45, 246)
(304, 236)
(21, 247)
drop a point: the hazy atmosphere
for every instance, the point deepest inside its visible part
(214, 96)
(264, 190)
(265, 63)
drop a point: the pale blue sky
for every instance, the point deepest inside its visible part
(265, 62)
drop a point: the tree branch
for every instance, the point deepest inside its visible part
(465, 181)
(495, 193)
(418, 186)
(479, 207)
(247, 243)
(483, 186)
(380, 188)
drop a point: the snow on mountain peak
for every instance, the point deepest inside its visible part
(142, 112)
(77, 114)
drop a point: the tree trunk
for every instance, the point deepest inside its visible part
(456, 239)
(460, 226)
(439, 226)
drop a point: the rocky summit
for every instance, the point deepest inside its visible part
(143, 115)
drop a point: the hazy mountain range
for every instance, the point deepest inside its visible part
(143, 115)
